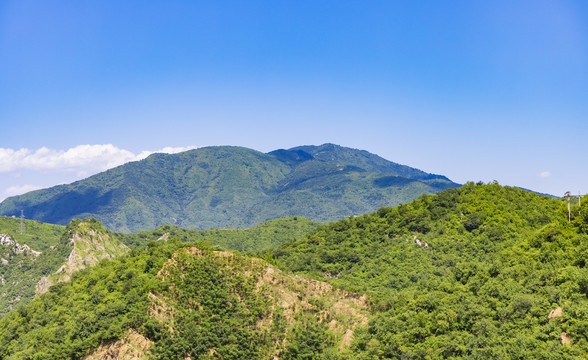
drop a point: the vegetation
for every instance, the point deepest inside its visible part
(38, 235)
(26, 270)
(231, 187)
(483, 271)
(265, 236)
(27, 257)
(187, 301)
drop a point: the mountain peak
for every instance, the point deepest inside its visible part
(231, 186)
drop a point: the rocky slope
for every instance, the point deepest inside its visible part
(90, 243)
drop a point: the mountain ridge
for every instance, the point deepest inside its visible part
(231, 187)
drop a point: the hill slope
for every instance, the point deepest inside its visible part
(479, 272)
(48, 254)
(483, 271)
(26, 258)
(232, 187)
(175, 302)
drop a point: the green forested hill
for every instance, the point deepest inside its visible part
(264, 236)
(480, 272)
(26, 258)
(364, 160)
(46, 254)
(230, 187)
(174, 301)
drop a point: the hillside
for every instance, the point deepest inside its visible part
(479, 272)
(483, 271)
(264, 236)
(26, 258)
(174, 302)
(48, 254)
(231, 187)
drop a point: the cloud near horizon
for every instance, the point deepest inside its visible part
(80, 161)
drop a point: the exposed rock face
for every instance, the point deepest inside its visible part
(7, 241)
(565, 338)
(43, 285)
(89, 247)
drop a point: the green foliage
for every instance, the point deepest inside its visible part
(97, 305)
(467, 273)
(231, 187)
(265, 236)
(22, 266)
(187, 301)
(39, 236)
(215, 307)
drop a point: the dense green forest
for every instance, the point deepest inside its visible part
(264, 236)
(186, 301)
(26, 258)
(470, 273)
(31, 260)
(479, 272)
(230, 187)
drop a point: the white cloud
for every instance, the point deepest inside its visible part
(544, 174)
(82, 159)
(21, 169)
(19, 189)
(166, 150)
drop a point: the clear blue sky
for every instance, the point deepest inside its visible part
(474, 90)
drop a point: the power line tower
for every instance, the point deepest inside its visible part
(22, 226)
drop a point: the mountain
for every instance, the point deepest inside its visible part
(90, 242)
(47, 254)
(231, 187)
(263, 237)
(478, 272)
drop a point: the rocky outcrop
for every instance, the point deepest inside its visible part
(7, 241)
(89, 247)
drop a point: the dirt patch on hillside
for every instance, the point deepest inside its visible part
(133, 346)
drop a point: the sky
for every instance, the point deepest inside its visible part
(473, 90)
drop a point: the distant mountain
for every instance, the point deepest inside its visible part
(225, 186)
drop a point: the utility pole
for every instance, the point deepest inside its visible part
(22, 226)
(567, 194)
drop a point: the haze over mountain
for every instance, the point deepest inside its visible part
(226, 186)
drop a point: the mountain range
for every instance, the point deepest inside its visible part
(231, 187)
(478, 272)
